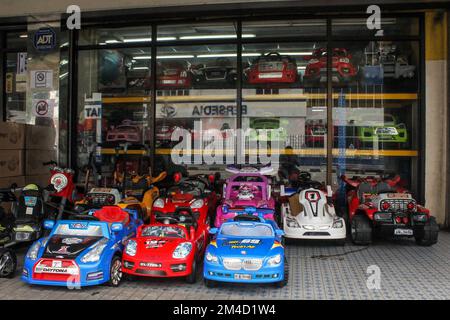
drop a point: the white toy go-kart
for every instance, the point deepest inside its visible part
(310, 214)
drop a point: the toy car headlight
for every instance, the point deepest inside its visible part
(211, 258)
(182, 250)
(292, 223)
(344, 60)
(131, 248)
(159, 203)
(197, 204)
(95, 252)
(275, 260)
(33, 252)
(338, 224)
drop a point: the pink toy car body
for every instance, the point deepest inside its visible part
(125, 132)
(244, 190)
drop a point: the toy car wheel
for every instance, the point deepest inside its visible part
(193, 276)
(429, 234)
(8, 263)
(115, 272)
(283, 283)
(210, 283)
(361, 230)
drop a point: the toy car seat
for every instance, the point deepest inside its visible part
(383, 187)
(112, 214)
(30, 205)
(364, 189)
(247, 217)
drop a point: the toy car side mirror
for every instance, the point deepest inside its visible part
(329, 195)
(279, 233)
(192, 232)
(49, 224)
(116, 227)
(213, 231)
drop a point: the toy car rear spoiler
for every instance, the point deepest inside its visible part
(249, 169)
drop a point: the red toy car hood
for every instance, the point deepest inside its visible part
(157, 248)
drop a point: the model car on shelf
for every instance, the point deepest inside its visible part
(309, 212)
(315, 134)
(272, 68)
(267, 129)
(173, 246)
(247, 187)
(8, 258)
(383, 129)
(221, 72)
(125, 132)
(381, 207)
(174, 75)
(164, 134)
(83, 251)
(246, 249)
(194, 194)
(343, 70)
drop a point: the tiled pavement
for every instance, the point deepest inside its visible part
(318, 271)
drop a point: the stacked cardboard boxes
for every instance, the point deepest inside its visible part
(12, 154)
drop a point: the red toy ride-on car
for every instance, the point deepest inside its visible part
(380, 206)
(273, 68)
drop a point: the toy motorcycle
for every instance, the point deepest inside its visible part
(381, 207)
(8, 258)
(309, 212)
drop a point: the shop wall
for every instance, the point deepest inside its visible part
(436, 113)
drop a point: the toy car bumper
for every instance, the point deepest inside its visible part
(264, 275)
(157, 268)
(386, 225)
(82, 275)
(315, 232)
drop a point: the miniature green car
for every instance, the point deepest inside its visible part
(267, 129)
(388, 131)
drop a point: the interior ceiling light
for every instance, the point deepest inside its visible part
(140, 68)
(296, 53)
(148, 39)
(216, 36)
(175, 56)
(23, 36)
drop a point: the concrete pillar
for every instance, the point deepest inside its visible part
(436, 111)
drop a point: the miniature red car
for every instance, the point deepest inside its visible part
(315, 134)
(272, 68)
(342, 68)
(193, 194)
(383, 207)
(174, 248)
(125, 132)
(174, 74)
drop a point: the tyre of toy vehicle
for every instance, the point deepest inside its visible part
(429, 234)
(283, 283)
(8, 263)
(210, 283)
(193, 276)
(361, 230)
(115, 272)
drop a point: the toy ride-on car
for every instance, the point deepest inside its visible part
(273, 68)
(309, 213)
(194, 194)
(83, 251)
(171, 247)
(246, 188)
(246, 249)
(379, 206)
(8, 258)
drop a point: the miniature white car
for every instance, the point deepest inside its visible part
(310, 214)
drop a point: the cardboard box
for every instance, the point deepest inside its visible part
(40, 137)
(41, 179)
(12, 136)
(34, 160)
(6, 183)
(11, 163)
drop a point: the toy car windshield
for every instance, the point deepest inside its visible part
(79, 229)
(246, 230)
(163, 232)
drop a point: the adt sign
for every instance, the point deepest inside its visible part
(44, 39)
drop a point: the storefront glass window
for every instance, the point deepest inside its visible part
(197, 32)
(113, 106)
(375, 110)
(196, 94)
(284, 104)
(388, 26)
(284, 28)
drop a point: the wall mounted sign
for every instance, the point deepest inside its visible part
(44, 39)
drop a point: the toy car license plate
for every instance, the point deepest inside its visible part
(239, 276)
(386, 131)
(403, 232)
(169, 81)
(270, 75)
